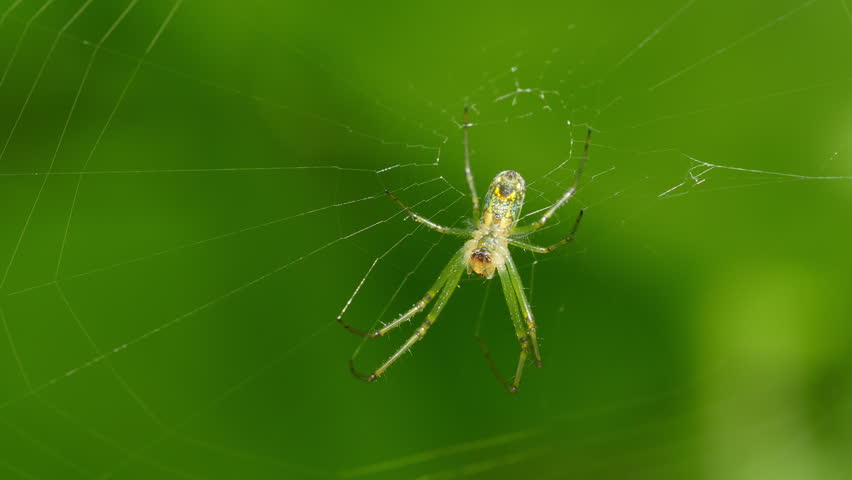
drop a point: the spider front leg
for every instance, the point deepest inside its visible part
(567, 196)
(536, 249)
(425, 221)
(468, 173)
(450, 277)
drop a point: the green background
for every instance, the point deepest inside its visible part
(225, 196)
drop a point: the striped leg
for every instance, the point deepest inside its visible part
(567, 196)
(526, 309)
(417, 308)
(520, 331)
(535, 248)
(468, 173)
(455, 272)
(425, 221)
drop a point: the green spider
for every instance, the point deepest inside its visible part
(485, 252)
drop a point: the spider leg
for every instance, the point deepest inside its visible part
(510, 387)
(417, 308)
(453, 273)
(535, 248)
(468, 173)
(526, 309)
(425, 221)
(520, 330)
(567, 196)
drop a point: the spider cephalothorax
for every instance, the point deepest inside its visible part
(485, 253)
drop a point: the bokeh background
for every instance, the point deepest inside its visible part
(191, 192)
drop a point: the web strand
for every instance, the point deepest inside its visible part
(545, 96)
(85, 77)
(732, 45)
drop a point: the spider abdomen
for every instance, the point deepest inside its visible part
(504, 200)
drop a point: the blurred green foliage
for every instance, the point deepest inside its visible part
(225, 196)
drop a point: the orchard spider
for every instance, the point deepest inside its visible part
(485, 252)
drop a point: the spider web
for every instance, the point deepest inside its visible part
(192, 193)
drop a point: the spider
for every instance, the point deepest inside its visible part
(485, 252)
